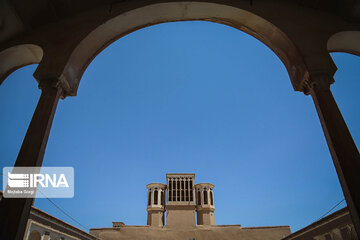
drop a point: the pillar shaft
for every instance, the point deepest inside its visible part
(343, 150)
(152, 197)
(202, 196)
(208, 196)
(14, 212)
(159, 196)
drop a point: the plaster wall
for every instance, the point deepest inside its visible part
(205, 218)
(197, 232)
(156, 219)
(180, 218)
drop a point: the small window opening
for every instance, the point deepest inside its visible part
(162, 198)
(205, 197)
(173, 191)
(199, 198)
(170, 190)
(156, 197)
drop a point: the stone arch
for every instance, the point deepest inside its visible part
(125, 23)
(18, 56)
(346, 41)
(34, 235)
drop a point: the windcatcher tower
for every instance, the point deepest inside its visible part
(205, 204)
(156, 204)
(180, 200)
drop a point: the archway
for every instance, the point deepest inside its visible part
(317, 83)
(137, 57)
(103, 35)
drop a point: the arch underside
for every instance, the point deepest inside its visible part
(18, 56)
(346, 41)
(133, 20)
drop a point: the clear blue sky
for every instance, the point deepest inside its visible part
(188, 97)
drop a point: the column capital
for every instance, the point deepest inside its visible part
(320, 80)
(56, 83)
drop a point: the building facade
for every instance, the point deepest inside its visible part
(43, 226)
(336, 226)
(184, 200)
(181, 209)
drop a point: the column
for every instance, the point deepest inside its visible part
(180, 189)
(159, 197)
(180, 193)
(208, 194)
(14, 212)
(343, 150)
(202, 196)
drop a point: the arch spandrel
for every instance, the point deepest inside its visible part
(130, 21)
